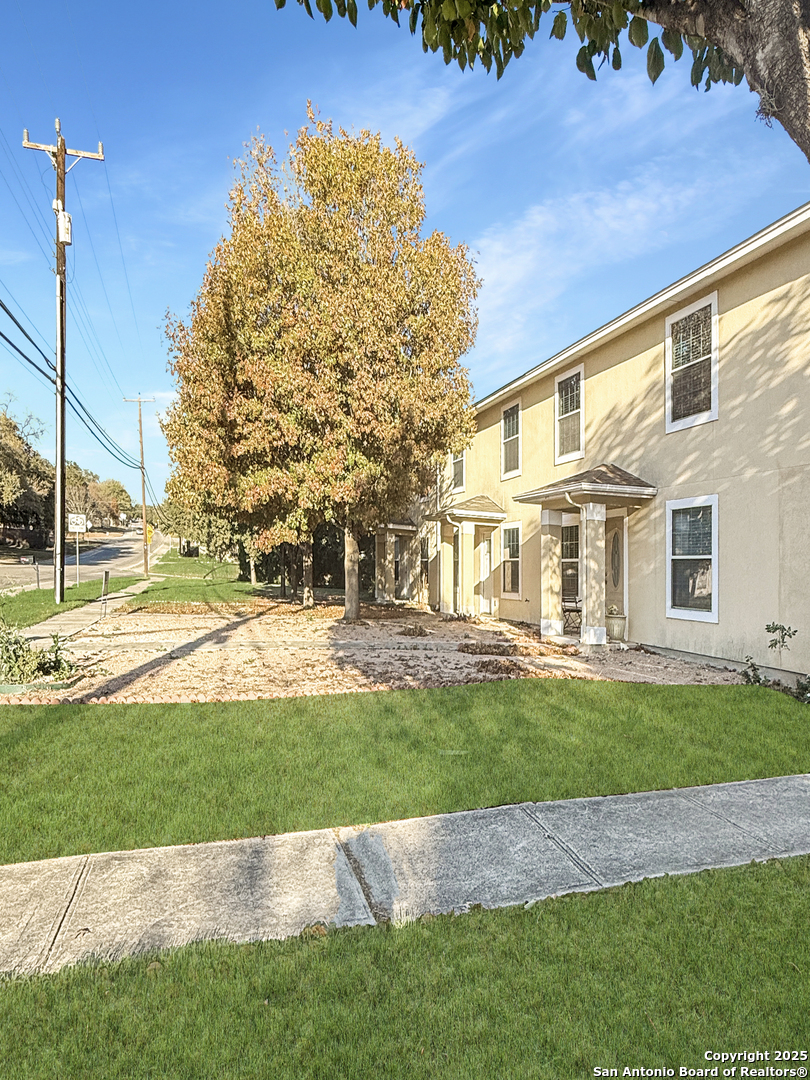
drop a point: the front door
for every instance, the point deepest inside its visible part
(614, 566)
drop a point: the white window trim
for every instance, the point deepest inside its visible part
(687, 613)
(505, 595)
(558, 459)
(508, 405)
(710, 414)
(463, 472)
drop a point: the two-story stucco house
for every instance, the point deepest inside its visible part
(659, 467)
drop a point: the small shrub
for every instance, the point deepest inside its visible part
(751, 673)
(21, 662)
(782, 635)
(802, 689)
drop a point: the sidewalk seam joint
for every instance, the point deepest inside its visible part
(565, 848)
(378, 912)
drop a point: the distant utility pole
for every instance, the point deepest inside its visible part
(63, 238)
(143, 484)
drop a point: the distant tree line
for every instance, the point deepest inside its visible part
(27, 486)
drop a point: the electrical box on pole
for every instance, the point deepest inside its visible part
(64, 227)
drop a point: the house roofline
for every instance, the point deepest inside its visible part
(766, 240)
(630, 491)
(484, 516)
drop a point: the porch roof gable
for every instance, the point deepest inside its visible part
(479, 508)
(607, 483)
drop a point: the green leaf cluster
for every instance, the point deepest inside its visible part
(466, 31)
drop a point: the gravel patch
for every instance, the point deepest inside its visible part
(271, 649)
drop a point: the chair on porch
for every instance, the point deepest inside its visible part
(572, 614)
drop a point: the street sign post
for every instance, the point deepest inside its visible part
(77, 523)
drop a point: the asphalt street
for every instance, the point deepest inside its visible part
(122, 556)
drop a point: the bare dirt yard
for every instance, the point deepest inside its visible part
(267, 649)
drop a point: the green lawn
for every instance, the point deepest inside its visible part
(201, 567)
(81, 778)
(649, 975)
(188, 590)
(28, 608)
(195, 581)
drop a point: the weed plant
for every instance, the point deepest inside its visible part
(21, 662)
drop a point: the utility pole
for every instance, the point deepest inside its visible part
(63, 238)
(143, 484)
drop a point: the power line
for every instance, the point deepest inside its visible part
(17, 353)
(140, 400)
(103, 286)
(24, 313)
(25, 333)
(33, 363)
(90, 337)
(116, 449)
(25, 219)
(78, 407)
(26, 188)
(106, 176)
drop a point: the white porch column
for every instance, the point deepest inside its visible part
(466, 568)
(412, 565)
(446, 568)
(551, 616)
(390, 586)
(379, 566)
(592, 562)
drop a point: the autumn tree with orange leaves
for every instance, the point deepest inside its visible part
(318, 376)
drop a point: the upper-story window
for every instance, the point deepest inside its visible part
(510, 441)
(691, 365)
(569, 425)
(458, 471)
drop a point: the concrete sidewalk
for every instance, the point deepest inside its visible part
(102, 907)
(69, 623)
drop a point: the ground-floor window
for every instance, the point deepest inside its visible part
(692, 558)
(570, 562)
(396, 560)
(511, 560)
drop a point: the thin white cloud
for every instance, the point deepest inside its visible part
(10, 257)
(530, 263)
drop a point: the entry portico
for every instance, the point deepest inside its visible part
(574, 566)
(466, 565)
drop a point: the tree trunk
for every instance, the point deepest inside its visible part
(252, 570)
(351, 566)
(283, 564)
(306, 553)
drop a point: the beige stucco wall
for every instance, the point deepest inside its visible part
(755, 457)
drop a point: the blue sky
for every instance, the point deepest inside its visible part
(578, 199)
